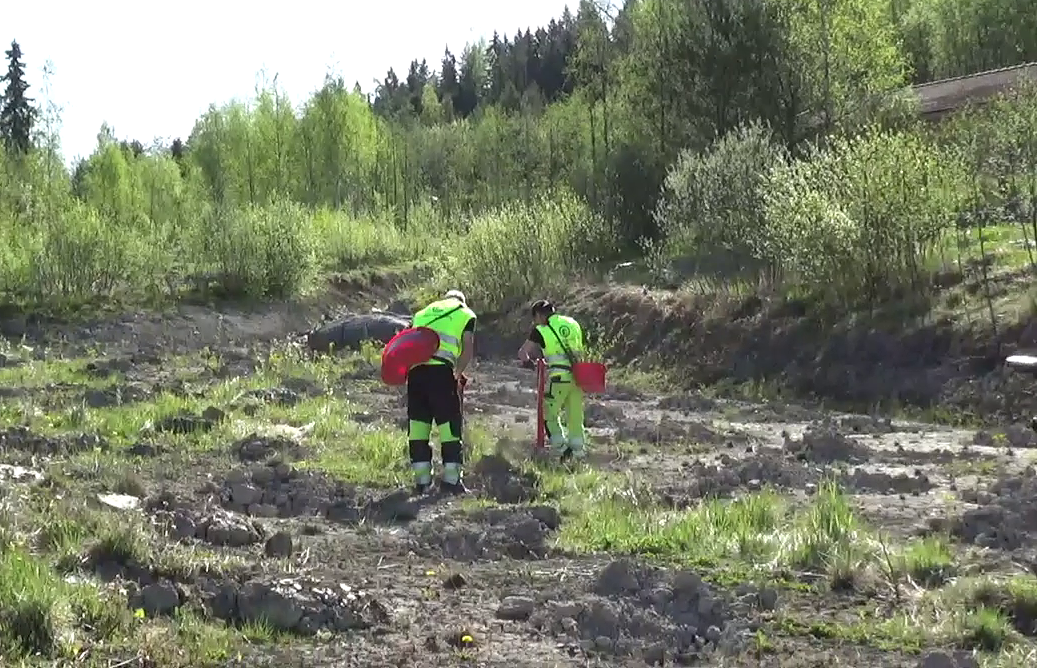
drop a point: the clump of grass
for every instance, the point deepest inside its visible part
(123, 544)
(611, 514)
(985, 628)
(32, 612)
(828, 523)
(373, 454)
(928, 561)
(107, 617)
(1015, 597)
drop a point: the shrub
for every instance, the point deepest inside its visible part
(711, 210)
(260, 251)
(879, 203)
(353, 243)
(518, 251)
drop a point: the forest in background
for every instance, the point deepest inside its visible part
(735, 144)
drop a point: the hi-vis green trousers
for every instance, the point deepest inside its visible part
(563, 414)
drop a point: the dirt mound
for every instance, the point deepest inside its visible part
(597, 414)
(271, 449)
(498, 479)
(1015, 436)
(300, 605)
(865, 424)
(825, 444)
(1006, 518)
(252, 401)
(860, 360)
(730, 476)
(490, 534)
(666, 430)
(692, 402)
(880, 482)
(186, 422)
(24, 440)
(215, 526)
(278, 490)
(116, 395)
(651, 613)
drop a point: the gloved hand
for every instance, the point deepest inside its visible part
(528, 364)
(462, 381)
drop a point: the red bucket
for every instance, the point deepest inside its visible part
(412, 346)
(590, 376)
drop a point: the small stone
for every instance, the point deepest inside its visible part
(654, 654)
(184, 526)
(768, 599)
(239, 536)
(213, 414)
(119, 501)
(686, 582)
(159, 598)
(262, 475)
(279, 546)
(515, 608)
(245, 495)
(938, 660)
(263, 510)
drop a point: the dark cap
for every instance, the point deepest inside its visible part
(542, 307)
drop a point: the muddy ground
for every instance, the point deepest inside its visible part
(216, 471)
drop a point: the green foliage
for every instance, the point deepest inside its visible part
(261, 252)
(510, 255)
(862, 217)
(762, 141)
(711, 210)
(18, 115)
(947, 38)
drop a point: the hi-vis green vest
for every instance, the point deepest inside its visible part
(448, 318)
(568, 330)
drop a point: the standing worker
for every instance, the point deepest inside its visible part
(559, 339)
(433, 394)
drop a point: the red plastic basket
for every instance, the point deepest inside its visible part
(412, 346)
(590, 376)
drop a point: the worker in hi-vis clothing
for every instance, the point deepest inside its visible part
(433, 394)
(559, 340)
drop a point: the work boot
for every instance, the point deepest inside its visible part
(455, 488)
(422, 477)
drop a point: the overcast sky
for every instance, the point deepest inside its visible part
(150, 72)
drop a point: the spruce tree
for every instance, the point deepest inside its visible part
(17, 113)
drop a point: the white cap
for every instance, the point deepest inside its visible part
(458, 295)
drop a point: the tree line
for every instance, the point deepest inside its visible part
(617, 119)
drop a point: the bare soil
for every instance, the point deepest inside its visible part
(357, 574)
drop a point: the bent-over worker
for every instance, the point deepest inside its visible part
(433, 395)
(559, 340)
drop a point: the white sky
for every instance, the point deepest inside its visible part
(151, 72)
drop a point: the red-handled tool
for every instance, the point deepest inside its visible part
(541, 386)
(462, 382)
